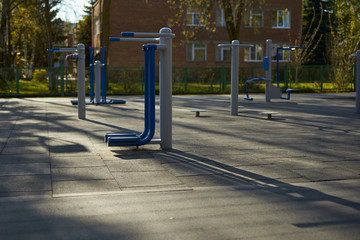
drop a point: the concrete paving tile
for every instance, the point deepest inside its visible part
(292, 163)
(70, 148)
(73, 154)
(24, 169)
(192, 168)
(30, 183)
(76, 161)
(24, 158)
(84, 186)
(145, 179)
(25, 149)
(132, 155)
(260, 172)
(26, 194)
(326, 174)
(352, 166)
(80, 173)
(212, 180)
(240, 159)
(167, 157)
(27, 141)
(140, 165)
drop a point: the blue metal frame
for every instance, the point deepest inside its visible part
(92, 74)
(131, 139)
(103, 75)
(249, 81)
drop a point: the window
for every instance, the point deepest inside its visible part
(284, 55)
(281, 18)
(254, 18)
(253, 54)
(196, 52)
(223, 54)
(194, 19)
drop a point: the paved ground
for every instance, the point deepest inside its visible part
(295, 176)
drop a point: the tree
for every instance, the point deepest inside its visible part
(84, 33)
(28, 24)
(316, 27)
(5, 29)
(232, 10)
(344, 40)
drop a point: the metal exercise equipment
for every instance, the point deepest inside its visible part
(270, 90)
(80, 58)
(98, 80)
(357, 82)
(131, 139)
(235, 45)
(164, 46)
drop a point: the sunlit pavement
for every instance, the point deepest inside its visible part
(294, 176)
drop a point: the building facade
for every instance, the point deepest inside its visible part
(279, 20)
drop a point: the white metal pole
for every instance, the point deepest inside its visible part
(97, 81)
(235, 78)
(268, 72)
(81, 80)
(165, 76)
(358, 81)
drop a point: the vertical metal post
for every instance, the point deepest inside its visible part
(103, 75)
(81, 80)
(62, 80)
(268, 72)
(234, 78)
(97, 81)
(277, 68)
(358, 81)
(91, 69)
(165, 76)
(286, 76)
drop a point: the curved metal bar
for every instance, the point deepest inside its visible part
(126, 136)
(252, 80)
(149, 130)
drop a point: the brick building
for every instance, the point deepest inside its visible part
(279, 20)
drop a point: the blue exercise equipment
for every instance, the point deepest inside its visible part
(272, 91)
(103, 80)
(132, 139)
(266, 68)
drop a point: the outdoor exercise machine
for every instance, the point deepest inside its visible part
(270, 90)
(98, 80)
(235, 45)
(98, 70)
(164, 40)
(79, 56)
(131, 139)
(357, 83)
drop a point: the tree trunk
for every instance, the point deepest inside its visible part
(3, 32)
(49, 45)
(233, 25)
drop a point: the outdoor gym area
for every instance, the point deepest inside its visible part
(293, 176)
(179, 166)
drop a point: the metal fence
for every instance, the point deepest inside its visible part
(62, 81)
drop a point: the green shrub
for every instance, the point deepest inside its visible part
(40, 75)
